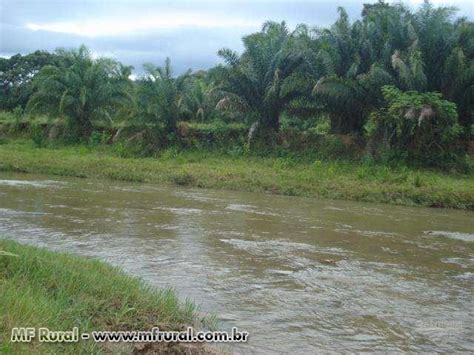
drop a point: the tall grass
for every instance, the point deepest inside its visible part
(39, 288)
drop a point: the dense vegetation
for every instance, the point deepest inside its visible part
(397, 83)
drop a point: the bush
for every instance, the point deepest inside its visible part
(133, 149)
(420, 128)
(321, 146)
(99, 137)
(211, 135)
(183, 179)
(38, 135)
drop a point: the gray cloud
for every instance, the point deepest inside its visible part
(190, 32)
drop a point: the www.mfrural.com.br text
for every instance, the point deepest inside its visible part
(190, 335)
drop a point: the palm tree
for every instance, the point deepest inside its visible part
(265, 79)
(447, 49)
(161, 98)
(458, 86)
(359, 59)
(82, 89)
(200, 99)
(349, 101)
(346, 89)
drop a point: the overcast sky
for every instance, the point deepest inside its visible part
(139, 31)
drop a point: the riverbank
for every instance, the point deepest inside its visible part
(40, 288)
(322, 179)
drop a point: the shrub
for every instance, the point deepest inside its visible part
(38, 135)
(183, 178)
(99, 137)
(95, 138)
(418, 127)
(211, 135)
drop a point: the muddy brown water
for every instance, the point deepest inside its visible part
(300, 275)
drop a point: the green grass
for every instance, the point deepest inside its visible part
(40, 288)
(322, 179)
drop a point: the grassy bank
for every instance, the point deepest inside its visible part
(322, 179)
(39, 288)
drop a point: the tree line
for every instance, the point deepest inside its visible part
(402, 79)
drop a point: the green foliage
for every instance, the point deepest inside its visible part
(99, 138)
(161, 101)
(216, 134)
(16, 74)
(266, 78)
(12, 122)
(421, 125)
(200, 98)
(131, 149)
(81, 88)
(183, 179)
(18, 112)
(322, 127)
(236, 151)
(38, 136)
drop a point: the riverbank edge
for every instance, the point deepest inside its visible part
(60, 291)
(322, 179)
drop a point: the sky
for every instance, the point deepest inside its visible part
(140, 31)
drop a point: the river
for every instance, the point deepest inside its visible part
(300, 275)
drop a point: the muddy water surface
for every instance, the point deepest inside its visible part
(300, 275)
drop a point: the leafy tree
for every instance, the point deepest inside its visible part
(82, 89)
(16, 74)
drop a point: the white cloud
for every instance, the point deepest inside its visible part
(113, 26)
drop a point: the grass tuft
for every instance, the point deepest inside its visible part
(40, 288)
